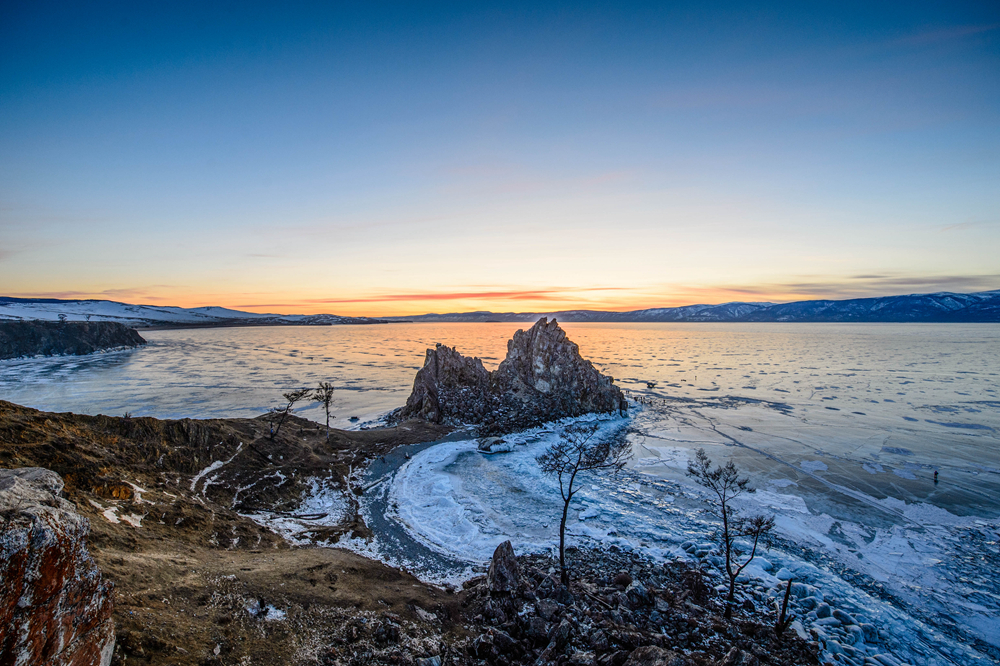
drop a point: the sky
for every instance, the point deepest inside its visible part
(403, 158)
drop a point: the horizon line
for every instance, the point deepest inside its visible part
(55, 298)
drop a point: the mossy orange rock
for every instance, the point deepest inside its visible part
(55, 608)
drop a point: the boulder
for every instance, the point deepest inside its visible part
(55, 609)
(737, 657)
(543, 378)
(548, 608)
(560, 634)
(638, 595)
(651, 655)
(503, 577)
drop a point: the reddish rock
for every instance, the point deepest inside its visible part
(55, 609)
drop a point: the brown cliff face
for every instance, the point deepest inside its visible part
(55, 609)
(543, 378)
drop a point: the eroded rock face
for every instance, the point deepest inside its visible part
(449, 386)
(542, 378)
(54, 607)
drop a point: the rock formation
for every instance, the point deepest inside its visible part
(542, 378)
(449, 386)
(55, 609)
(503, 577)
(48, 338)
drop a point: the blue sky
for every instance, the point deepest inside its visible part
(413, 157)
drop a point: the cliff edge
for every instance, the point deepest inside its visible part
(49, 338)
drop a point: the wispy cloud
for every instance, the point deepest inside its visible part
(152, 293)
(861, 286)
(964, 226)
(547, 294)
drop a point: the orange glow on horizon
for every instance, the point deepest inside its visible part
(540, 300)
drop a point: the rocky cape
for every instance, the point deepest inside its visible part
(543, 378)
(621, 610)
(48, 338)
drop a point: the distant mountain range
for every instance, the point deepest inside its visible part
(942, 307)
(939, 307)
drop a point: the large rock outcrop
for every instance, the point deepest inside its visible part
(543, 378)
(51, 338)
(55, 609)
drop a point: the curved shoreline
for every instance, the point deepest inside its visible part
(395, 544)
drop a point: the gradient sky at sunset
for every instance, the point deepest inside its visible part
(425, 157)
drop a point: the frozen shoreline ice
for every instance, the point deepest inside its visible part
(461, 503)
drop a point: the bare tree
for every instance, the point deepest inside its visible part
(727, 484)
(324, 395)
(279, 414)
(579, 450)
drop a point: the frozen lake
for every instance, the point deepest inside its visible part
(841, 427)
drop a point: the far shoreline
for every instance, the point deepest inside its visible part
(250, 324)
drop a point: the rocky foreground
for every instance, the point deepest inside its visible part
(197, 581)
(169, 504)
(47, 338)
(543, 378)
(620, 609)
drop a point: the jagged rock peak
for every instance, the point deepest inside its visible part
(54, 606)
(445, 372)
(503, 576)
(543, 378)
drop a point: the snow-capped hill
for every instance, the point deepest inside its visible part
(938, 307)
(721, 312)
(219, 312)
(144, 316)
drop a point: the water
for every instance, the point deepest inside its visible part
(841, 427)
